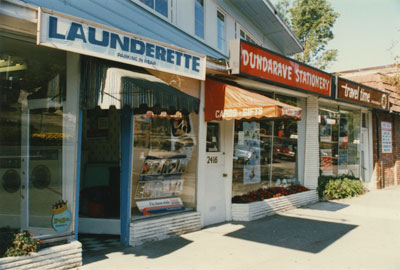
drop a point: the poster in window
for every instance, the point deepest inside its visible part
(386, 137)
(325, 133)
(326, 162)
(343, 161)
(152, 167)
(171, 166)
(251, 170)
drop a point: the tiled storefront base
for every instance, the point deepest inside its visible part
(67, 256)
(257, 210)
(156, 229)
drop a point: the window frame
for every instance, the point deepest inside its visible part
(155, 12)
(223, 49)
(203, 18)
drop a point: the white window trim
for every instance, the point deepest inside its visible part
(204, 21)
(224, 50)
(240, 27)
(153, 10)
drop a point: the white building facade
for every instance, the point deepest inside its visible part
(116, 121)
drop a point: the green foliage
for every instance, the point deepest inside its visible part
(22, 244)
(339, 187)
(312, 22)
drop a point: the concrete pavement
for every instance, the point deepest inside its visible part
(357, 233)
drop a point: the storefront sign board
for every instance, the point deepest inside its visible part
(160, 206)
(251, 60)
(386, 137)
(69, 33)
(361, 94)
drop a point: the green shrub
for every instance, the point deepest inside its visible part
(22, 244)
(342, 188)
(323, 180)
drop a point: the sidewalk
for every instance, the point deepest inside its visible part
(358, 233)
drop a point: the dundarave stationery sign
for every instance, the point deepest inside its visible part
(250, 60)
(361, 94)
(69, 33)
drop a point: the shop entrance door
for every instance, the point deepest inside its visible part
(217, 178)
(365, 170)
(41, 168)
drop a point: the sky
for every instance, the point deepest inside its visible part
(364, 33)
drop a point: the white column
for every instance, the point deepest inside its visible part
(311, 156)
(201, 154)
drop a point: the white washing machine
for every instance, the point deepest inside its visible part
(45, 184)
(10, 191)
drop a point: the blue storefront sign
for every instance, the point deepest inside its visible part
(73, 34)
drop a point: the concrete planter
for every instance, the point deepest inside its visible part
(67, 256)
(256, 210)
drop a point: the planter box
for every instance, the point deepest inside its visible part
(158, 228)
(67, 256)
(256, 210)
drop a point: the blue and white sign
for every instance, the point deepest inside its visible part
(61, 221)
(158, 206)
(69, 33)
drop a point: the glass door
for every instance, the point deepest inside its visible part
(42, 188)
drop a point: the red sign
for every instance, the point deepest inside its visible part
(362, 94)
(255, 61)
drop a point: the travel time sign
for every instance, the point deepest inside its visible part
(68, 33)
(361, 94)
(258, 62)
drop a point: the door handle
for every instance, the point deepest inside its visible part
(224, 175)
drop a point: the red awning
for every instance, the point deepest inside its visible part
(225, 102)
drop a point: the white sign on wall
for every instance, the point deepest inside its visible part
(386, 128)
(69, 33)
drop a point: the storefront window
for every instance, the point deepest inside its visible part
(339, 141)
(34, 139)
(284, 162)
(164, 164)
(265, 153)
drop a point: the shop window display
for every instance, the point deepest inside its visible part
(339, 141)
(33, 135)
(265, 153)
(164, 167)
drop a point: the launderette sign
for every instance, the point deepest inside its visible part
(69, 33)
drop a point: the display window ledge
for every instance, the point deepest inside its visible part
(256, 210)
(155, 229)
(65, 256)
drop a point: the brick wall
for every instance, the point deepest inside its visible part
(386, 166)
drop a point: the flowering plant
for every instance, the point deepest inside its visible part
(267, 193)
(23, 244)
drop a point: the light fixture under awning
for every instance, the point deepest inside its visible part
(225, 102)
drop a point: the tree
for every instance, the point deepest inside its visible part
(312, 22)
(394, 79)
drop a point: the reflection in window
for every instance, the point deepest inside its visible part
(221, 30)
(161, 6)
(32, 90)
(199, 18)
(213, 137)
(339, 141)
(164, 166)
(265, 153)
